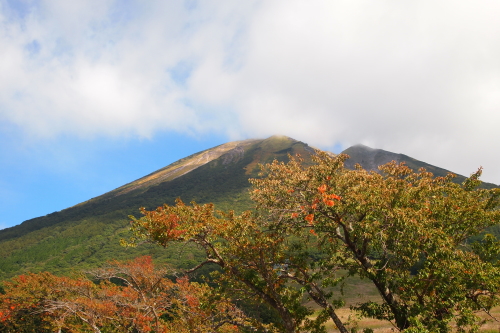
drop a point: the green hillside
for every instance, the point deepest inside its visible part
(85, 235)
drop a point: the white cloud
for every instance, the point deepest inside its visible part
(421, 78)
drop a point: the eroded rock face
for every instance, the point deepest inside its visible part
(233, 155)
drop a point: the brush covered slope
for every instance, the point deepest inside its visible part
(88, 234)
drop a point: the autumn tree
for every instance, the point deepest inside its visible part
(156, 302)
(21, 303)
(255, 263)
(405, 231)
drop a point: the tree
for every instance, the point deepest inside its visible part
(405, 231)
(22, 298)
(255, 263)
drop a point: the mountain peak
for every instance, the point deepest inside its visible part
(228, 152)
(360, 146)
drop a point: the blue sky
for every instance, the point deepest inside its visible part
(97, 93)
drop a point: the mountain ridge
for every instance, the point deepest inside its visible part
(370, 158)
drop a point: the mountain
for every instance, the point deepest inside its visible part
(370, 159)
(87, 234)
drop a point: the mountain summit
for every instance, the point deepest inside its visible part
(88, 234)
